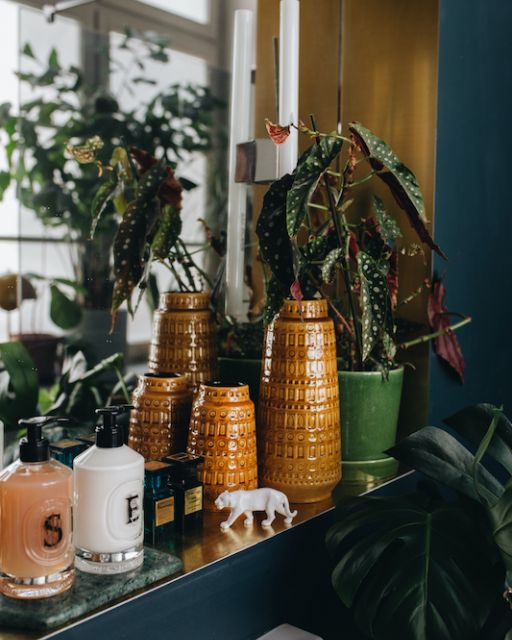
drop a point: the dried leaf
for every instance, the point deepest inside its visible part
(277, 133)
(392, 278)
(87, 152)
(446, 346)
(399, 178)
(217, 243)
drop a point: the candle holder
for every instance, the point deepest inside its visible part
(161, 414)
(223, 431)
(184, 337)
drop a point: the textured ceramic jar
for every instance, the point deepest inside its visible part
(299, 440)
(223, 431)
(160, 418)
(184, 337)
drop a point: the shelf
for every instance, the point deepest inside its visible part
(198, 551)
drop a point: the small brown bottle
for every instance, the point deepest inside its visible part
(188, 491)
(36, 554)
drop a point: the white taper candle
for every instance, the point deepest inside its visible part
(289, 82)
(240, 123)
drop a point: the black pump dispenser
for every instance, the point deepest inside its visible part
(109, 434)
(34, 447)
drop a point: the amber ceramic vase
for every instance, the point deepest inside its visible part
(299, 443)
(184, 337)
(223, 431)
(160, 418)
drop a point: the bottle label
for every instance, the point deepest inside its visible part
(193, 500)
(47, 530)
(124, 511)
(164, 511)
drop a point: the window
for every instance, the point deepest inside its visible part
(196, 10)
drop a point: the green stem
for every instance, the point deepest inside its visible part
(181, 284)
(318, 206)
(122, 384)
(344, 265)
(436, 334)
(183, 261)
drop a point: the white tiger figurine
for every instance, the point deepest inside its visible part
(243, 501)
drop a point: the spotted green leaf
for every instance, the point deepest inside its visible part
(307, 174)
(105, 193)
(169, 229)
(275, 245)
(376, 309)
(330, 263)
(276, 293)
(400, 179)
(389, 229)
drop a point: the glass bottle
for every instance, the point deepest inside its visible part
(36, 555)
(67, 450)
(188, 491)
(158, 503)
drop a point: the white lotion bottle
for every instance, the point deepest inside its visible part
(108, 531)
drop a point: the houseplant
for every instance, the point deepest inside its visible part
(65, 108)
(312, 244)
(65, 313)
(432, 564)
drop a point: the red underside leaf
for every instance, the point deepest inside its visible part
(296, 291)
(446, 346)
(277, 133)
(170, 191)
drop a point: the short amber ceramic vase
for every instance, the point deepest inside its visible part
(160, 418)
(299, 426)
(223, 431)
(184, 337)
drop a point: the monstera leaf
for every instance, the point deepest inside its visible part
(399, 178)
(406, 571)
(275, 245)
(473, 422)
(441, 457)
(309, 170)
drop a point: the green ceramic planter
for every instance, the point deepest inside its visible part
(242, 370)
(369, 407)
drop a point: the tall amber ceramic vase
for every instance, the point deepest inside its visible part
(184, 337)
(299, 443)
(223, 431)
(160, 418)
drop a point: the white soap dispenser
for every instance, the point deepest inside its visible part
(108, 521)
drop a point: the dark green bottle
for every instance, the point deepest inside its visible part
(159, 504)
(188, 491)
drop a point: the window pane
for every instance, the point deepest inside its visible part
(196, 10)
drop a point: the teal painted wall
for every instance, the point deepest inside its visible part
(473, 211)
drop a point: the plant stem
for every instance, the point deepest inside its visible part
(179, 281)
(344, 266)
(201, 272)
(183, 261)
(436, 334)
(122, 384)
(318, 206)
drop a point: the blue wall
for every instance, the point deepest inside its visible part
(473, 210)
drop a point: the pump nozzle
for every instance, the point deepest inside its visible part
(108, 434)
(35, 448)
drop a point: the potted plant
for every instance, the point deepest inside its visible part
(65, 109)
(313, 245)
(432, 563)
(65, 312)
